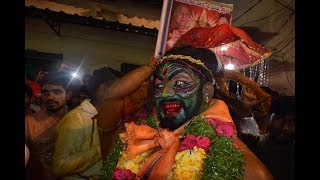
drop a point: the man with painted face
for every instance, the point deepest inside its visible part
(181, 91)
(191, 135)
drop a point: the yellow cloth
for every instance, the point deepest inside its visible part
(77, 148)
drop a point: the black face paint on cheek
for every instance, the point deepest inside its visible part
(184, 102)
(175, 121)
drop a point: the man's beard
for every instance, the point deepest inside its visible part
(54, 109)
(172, 122)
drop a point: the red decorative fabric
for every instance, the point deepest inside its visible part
(241, 50)
(36, 88)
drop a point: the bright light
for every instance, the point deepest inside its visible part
(230, 66)
(224, 48)
(74, 75)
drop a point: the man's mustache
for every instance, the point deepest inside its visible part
(51, 101)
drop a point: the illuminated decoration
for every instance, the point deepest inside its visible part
(263, 73)
(230, 66)
(258, 73)
(233, 45)
(224, 48)
(229, 43)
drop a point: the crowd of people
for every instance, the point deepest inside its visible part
(154, 114)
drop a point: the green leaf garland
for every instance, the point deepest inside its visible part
(111, 161)
(224, 161)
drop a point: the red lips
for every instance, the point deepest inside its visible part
(171, 109)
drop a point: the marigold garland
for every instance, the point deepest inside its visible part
(222, 160)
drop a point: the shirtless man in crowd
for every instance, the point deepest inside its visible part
(40, 127)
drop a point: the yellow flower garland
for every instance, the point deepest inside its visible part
(133, 164)
(188, 164)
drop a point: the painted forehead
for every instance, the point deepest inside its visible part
(170, 69)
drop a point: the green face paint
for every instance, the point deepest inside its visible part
(178, 94)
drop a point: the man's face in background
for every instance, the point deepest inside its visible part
(54, 97)
(282, 128)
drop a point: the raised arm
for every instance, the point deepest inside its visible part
(131, 81)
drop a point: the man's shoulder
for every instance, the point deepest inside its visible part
(71, 115)
(39, 116)
(72, 119)
(86, 106)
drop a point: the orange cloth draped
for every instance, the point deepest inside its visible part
(219, 110)
(141, 138)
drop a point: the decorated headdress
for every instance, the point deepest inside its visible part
(201, 60)
(231, 44)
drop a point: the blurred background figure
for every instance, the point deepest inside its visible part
(40, 77)
(254, 127)
(256, 124)
(35, 101)
(27, 100)
(85, 79)
(277, 148)
(79, 94)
